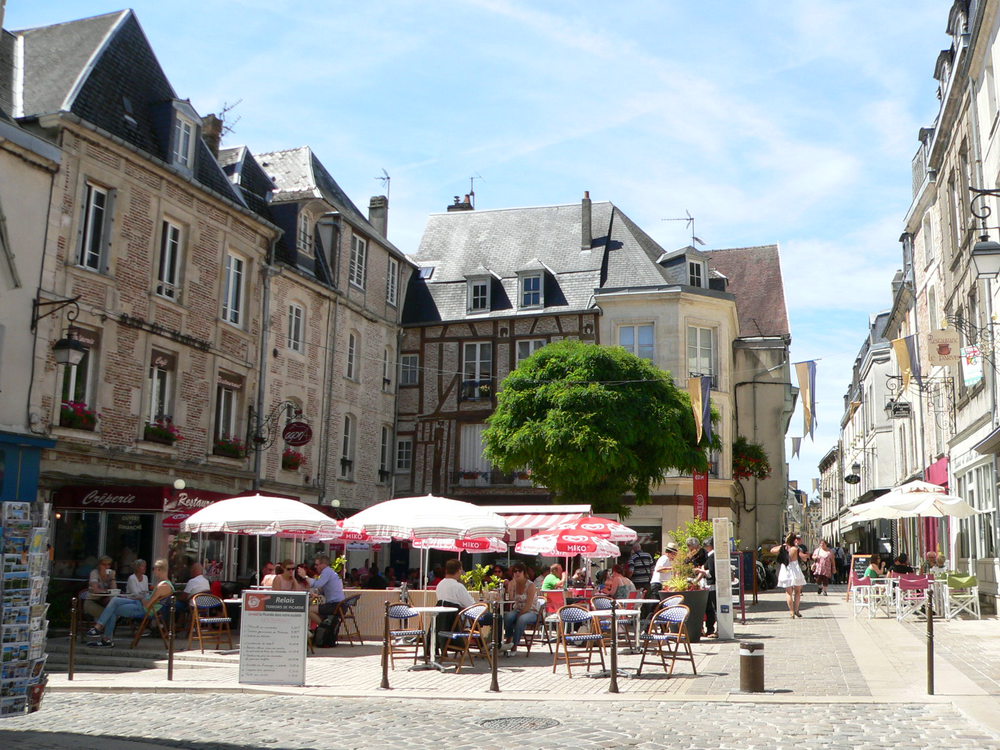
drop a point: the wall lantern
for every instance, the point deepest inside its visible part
(68, 350)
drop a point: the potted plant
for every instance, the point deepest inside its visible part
(339, 565)
(749, 460)
(292, 459)
(470, 475)
(162, 430)
(683, 582)
(231, 447)
(77, 416)
(480, 578)
(526, 474)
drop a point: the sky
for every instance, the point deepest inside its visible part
(786, 123)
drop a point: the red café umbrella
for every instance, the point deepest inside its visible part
(567, 543)
(605, 528)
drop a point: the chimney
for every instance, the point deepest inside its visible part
(211, 133)
(586, 237)
(460, 205)
(378, 214)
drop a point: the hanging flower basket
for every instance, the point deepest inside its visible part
(291, 459)
(470, 475)
(230, 447)
(163, 430)
(76, 415)
(749, 460)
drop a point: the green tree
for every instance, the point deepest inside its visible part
(593, 423)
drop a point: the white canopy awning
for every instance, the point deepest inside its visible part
(525, 520)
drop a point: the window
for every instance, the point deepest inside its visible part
(95, 215)
(170, 256)
(295, 331)
(701, 353)
(227, 406)
(347, 449)
(477, 371)
(352, 357)
(359, 252)
(305, 234)
(384, 455)
(409, 369)
(392, 282)
(232, 293)
(528, 347)
(696, 273)
(78, 379)
(161, 375)
(426, 272)
(404, 454)
(531, 290)
(479, 295)
(386, 370)
(638, 339)
(183, 141)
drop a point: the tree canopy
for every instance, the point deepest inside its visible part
(593, 423)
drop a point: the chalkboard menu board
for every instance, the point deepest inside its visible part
(859, 563)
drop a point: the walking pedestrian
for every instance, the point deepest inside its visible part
(824, 566)
(641, 563)
(790, 576)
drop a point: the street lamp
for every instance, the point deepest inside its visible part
(68, 350)
(985, 253)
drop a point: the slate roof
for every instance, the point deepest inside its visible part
(243, 171)
(754, 275)
(104, 70)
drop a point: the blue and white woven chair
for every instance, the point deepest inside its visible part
(404, 638)
(209, 619)
(572, 621)
(626, 622)
(669, 636)
(464, 636)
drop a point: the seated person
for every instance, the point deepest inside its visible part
(451, 592)
(376, 581)
(616, 584)
(580, 579)
(327, 583)
(901, 565)
(876, 568)
(101, 581)
(196, 584)
(524, 611)
(138, 583)
(103, 632)
(267, 574)
(556, 579)
(287, 578)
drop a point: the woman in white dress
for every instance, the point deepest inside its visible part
(790, 576)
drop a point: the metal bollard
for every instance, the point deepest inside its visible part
(751, 667)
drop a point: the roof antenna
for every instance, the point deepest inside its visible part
(472, 188)
(385, 179)
(689, 224)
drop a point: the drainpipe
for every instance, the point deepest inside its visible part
(328, 228)
(268, 271)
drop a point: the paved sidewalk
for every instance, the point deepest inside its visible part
(825, 657)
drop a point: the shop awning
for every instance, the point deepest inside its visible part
(525, 520)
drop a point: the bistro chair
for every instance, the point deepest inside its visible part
(404, 638)
(626, 622)
(209, 620)
(962, 596)
(348, 621)
(668, 633)
(464, 636)
(157, 619)
(912, 594)
(531, 632)
(571, 636)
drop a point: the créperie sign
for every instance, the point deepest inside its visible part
(297, 433)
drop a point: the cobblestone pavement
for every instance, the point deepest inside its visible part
(957, 641)
(88, 721)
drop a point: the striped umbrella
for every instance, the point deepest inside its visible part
(602, 527)
(567, 543)
(262, 515)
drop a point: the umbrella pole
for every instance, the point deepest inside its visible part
(259, 567)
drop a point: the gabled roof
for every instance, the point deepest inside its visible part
(754, 275)
(104, 71)
(242, 169)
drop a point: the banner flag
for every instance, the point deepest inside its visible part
(805, 372)
(796, 444)
(972, 365)
(694, 390)
(700, 495)
(706, 406)
(905, 350)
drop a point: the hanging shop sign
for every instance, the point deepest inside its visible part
(297, 433)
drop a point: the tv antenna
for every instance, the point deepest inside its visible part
(689, 224)
(472, 188)
(385, 179)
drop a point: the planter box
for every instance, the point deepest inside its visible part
(696, 601)
(154, 436)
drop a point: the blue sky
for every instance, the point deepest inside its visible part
(788, 123)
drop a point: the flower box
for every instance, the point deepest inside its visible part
(470, 475)
(229, 447)
(291, 459)
(76, 415)
(163, 431)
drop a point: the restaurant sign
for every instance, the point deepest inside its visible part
(297, 433)
(110, 498)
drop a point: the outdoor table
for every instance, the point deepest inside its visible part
(626, 609)
(600, 613)
(235, 616)
(431, 643)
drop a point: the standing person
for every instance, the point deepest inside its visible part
(328, 583)
(641, 563)
(707, 571)
(841, 554)
(662, 570)
(824, 565)
(523, 612)
(790, 575)
(696, 554)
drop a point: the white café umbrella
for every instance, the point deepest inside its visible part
(568, 543)
(261, 515)
(911, 500)
(427, 517)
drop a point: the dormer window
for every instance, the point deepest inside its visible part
(531, 290)
(183, 151)
(479, 295)
(697, 273)
(305, 234)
